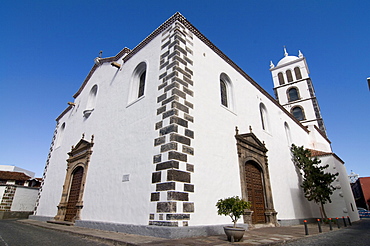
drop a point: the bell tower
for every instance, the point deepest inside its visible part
(294, 90)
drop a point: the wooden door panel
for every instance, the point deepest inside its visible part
(74, 194)
(255, 193)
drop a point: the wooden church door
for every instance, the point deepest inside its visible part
(74, 194)
(255, 192)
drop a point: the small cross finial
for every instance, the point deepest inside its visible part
(83, 135)
(250, 129)
(300, 55)
(285, 52)
(236, 130)
(100, 53)
(92, 138)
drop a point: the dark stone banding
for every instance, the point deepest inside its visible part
(179, 93)
(165, 54)
(189, 167)
(154, 197)
(187, 150)
(164, 223)
(171, 86)
(168, 129)
(165, 186)
(178, 216)
(169, 146)
(180, 106)
(161, 97)
(164, 65)
(167, 165)
(157, 158)
(159, 125)
(177, 196)
(177, 175)
(159, 141)
(187, 91)
(173, 155)
(179, 138)
(188, 207)
(189, 133)
(156, 177)
(166, 207)
(179, 121)
(161, 110)
(189, 187)
(170, 113)
(171, 98)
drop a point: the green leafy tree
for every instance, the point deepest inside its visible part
(233, 207)
(316, 184)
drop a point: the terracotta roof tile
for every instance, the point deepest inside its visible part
(8, 175)
(319, 153)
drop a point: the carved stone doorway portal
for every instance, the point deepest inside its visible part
(71, 202)
(255, 180)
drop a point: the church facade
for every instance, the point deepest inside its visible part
(159, 133)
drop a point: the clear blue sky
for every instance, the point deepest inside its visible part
(48, 47)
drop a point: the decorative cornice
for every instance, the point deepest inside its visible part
(256, 143)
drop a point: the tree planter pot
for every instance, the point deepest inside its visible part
(234, 234)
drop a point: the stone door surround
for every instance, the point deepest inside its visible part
(251, 149)
(78, 157)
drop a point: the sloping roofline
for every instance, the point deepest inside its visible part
(318, 153)
(179, 17)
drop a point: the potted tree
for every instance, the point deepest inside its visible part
(233, 207)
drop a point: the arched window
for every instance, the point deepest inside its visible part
(226, 91)
(138, 81)
(264, 119)
(289, 75)
(293, 94)
(287, 133)
(60, 135)
(91, 101)
(281, 78)
(298, 113)
(92, 97)
(223, 91)
(297, 72)
(142, 84)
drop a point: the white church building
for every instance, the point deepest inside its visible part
(158, 134)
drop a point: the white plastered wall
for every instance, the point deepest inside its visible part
(123, 145)
(216, 161)
(24, 199)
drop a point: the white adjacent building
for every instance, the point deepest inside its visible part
(18, 192)
(159, 133)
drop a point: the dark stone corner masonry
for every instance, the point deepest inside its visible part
(171, 177)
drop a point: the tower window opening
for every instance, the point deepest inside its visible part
(293, 94)
(297, 72)
(281, 78)
(298, 113)
(289, 76)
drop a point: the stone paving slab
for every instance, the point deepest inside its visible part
(260, 236)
